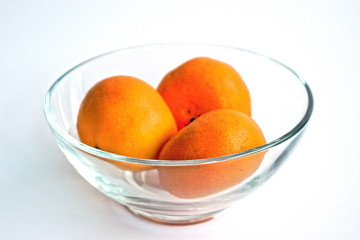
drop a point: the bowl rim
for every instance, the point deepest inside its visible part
(64, 136)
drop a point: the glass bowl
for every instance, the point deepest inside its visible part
(282, 105)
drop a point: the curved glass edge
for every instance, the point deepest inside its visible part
(64, 136)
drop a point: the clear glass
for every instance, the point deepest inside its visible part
(282, 104)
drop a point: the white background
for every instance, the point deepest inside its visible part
(315, 195)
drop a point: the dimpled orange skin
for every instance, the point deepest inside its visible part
(213, 134)
(126, 116)
(203, 84)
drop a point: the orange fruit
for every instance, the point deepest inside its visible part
(126, 116)
(203, 84)
(213, 134)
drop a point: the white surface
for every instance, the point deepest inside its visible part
(315, 195)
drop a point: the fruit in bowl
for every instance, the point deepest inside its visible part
(178, 168)
(126, 116)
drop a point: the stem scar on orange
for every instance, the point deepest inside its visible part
(213, 134)
(126, 116)
(203, 84)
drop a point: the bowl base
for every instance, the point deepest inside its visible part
(175, 220)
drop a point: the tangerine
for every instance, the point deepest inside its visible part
(213, 134)
(126, 116)
(203, 84)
